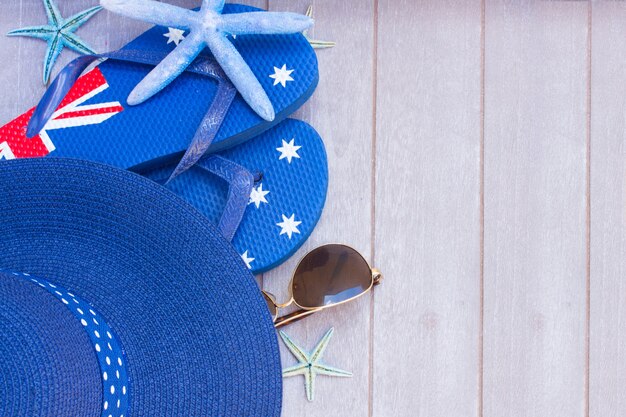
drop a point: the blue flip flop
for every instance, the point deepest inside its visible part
(272, 189)
(93, 121)
(88, 118)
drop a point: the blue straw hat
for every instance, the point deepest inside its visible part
(117, 298)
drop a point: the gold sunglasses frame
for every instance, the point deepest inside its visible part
(303, 312)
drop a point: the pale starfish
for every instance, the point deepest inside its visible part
(208, 27)
(316, 44)
(310, 363)
(59, 33)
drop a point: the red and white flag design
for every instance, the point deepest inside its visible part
(71, 113)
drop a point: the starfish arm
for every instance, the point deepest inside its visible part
(309, 384)
(216, 5)
(330, 371)
(297, 352)
(54, 15)
(315, 44)
(168, 69)
(76, 21)
(39, 32)
(162, 14)
(299, 369)
(76, 43)
(318, 352)
(241, 76)
(309, 13)
(52, 53)
(264, 23)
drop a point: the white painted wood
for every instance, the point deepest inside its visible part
(415, 347)
(535, 209)
(607, 372)
(10, 52)
(427, 311)
(341, 110)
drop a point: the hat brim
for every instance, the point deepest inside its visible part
(197, 335)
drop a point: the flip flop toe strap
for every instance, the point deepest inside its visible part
(208, 128)
(203, 65)
(241, 182)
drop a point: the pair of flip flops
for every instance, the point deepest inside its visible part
(263, 183)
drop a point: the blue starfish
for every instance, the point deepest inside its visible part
(59, 32)
(208, 28)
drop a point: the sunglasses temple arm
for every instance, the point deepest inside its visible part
(293, 317)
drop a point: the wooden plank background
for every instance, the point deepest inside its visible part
(477, 157)
(535, 209)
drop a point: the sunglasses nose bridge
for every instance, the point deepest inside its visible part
(287, 304)
(272, 298)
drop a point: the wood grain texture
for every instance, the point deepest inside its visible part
(535, 208)
(341, 111)
(426, 319)
(607, 394)
(399, 109)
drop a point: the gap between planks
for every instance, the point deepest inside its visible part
(370, 397)
(481, 215)
(588, 214)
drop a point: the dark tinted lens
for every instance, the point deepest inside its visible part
(270, 305)
(330, 274)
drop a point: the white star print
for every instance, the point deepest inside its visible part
(247, 259)
(174, 35)
(5, 151)
(257, 196)
(289, 225)
(288, 150)
(281, 75)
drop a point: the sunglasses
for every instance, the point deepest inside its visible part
(327, 276)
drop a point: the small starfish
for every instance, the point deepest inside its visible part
(310, 364)
(208, 27)
(315, 43)
(58, 33)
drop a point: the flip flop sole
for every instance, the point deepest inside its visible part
(96, 123)
(290, 164)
